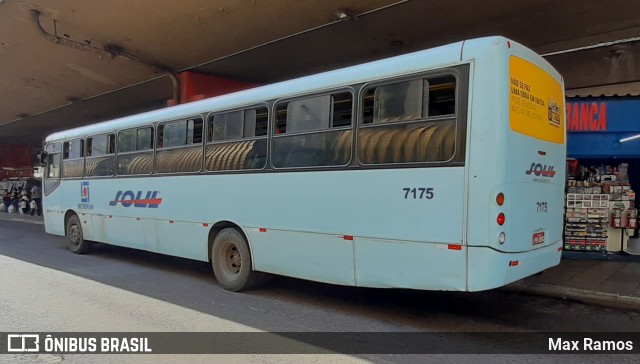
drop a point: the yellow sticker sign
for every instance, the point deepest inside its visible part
(536, 105)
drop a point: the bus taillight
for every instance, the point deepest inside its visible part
(500, 219)
(500, 199)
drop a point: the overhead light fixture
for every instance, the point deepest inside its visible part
(345, 14)
(628, 139)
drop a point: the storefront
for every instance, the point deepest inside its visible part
(603, 171)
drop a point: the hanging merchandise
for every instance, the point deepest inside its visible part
(632, 219)
(616, 218)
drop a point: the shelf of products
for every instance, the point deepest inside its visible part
(586, 222)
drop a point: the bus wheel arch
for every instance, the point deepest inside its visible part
(73, 232)
(67, 216)
(229, 253)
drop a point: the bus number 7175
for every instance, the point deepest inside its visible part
(418, 193)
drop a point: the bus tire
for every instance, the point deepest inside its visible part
(231, 261)
(75, 239)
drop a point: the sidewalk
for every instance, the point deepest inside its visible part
(21, 217)
(589, 277)
(611, 281)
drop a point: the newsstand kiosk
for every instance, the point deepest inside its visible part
(603, 173)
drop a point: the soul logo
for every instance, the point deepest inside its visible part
(129, 198)
(541, 170)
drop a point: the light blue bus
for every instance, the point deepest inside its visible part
(441, 169)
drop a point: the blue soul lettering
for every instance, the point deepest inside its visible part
(127, 195)
(145, 203)
(137, 199)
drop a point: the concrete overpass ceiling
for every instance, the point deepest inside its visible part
(544, 26)
(73, 62)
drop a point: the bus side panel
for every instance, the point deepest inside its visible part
(404, 264)
(319, 257)
(415, 204)
(51, 211)
(485, 164)
(391, 204)
(87, 226)
(124, 231)
(98, 222)
(178, 238)
(53, 221)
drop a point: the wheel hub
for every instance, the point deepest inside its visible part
(234, 259)
(74, 234)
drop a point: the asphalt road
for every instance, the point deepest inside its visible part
(284, 305)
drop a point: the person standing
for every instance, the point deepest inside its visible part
(24, 202)
(4, 195)
(36, 195)
(15, 201)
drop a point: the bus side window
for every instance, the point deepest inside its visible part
(180, 146)
(226, 126)
(309, 114)
(73, 158)
(52, 171)
(399, 101)
(281, 119)
(312, 132)
(237, 140)
(442, 96)
(135, 151)
(408, 121)
(100, 156)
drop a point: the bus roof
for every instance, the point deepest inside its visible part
(395, 66)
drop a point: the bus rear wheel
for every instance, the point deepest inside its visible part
(231, 261)
(75, 239)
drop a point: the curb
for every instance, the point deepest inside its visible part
(609, 300)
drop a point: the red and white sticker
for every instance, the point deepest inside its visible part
(538, 238)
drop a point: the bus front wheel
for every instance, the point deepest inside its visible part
(75, 239)
(231, 261)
